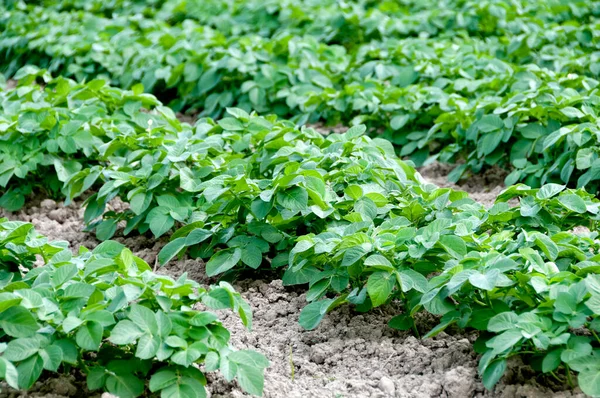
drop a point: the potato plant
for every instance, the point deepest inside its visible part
(488, 270)
(104, 313)
(47, 134)
(490, 85)
(477, 83)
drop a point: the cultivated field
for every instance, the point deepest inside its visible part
(299, 199)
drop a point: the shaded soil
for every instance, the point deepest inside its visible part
(349, 355)
(484, 187)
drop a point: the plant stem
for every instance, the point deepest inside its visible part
(292, 367)
(595, 335)
(569, 379)
(555, 376)
(44, 255)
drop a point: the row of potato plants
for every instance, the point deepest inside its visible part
(343, 214)
(337, 22)
(523, 100)
(105, 315)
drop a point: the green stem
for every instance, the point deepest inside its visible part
(569, 379)
(44, 256)
(595, 335)
(83, 366)
(293, 368)
(406, 308)
(480, 303)
(555, 376)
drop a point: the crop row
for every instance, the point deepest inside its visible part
(524, 99)
(341, 213)
(105, 313)
(335, 22)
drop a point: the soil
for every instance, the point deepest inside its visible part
(349, 355)
(484, 187)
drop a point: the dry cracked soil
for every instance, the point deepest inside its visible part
(348, 355)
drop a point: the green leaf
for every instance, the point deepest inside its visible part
(398, 122)
(573, 202)
(29, 371)
(565, 303)
(140, 202)
(106, 229)
(366, 208)
(493, 372)
(294, 199)
(549, 248)
(20, 349)
(170, 250)
(589, 382)
(504, 341)
(572, 113)
(252, 256)
(454, 245)
(313, 313)
(185, 388)
(489, 123)
(125, 332)
(9, 373)
(163, 378)
(551, 361)
(124, 385)
(12, 200)
(352, 255)
(89, 336)
(250, 379)
(401, 322)
(196, 236)
(231, 124)
(159, 223)
(379, 287)
(96, 378)
(143, 318)
(17, 321)
(549, 190)
(147, 346)
(203, 318)
(354, 192)
(485, 281)
(503, 321)
(52, 357)
(223, 261)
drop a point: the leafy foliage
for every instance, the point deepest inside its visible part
(486, 82)
(51, 133)
(105, 313)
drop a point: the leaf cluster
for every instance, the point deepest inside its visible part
(105, 314)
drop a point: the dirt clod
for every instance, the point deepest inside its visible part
(387, 386)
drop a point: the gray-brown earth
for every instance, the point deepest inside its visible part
(348, 355)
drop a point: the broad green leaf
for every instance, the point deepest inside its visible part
(294, 199)
(380, 286)
(573, 202)
(29, 371)
(125, 332)
(17, 321)
(144, 318)
(162, 378)
(493, 372)
(89, 336)
(313, 313)
(124, 385)
(223, 261)
(170, 250)
(490, 123)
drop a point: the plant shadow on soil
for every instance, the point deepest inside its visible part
(350, 354)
